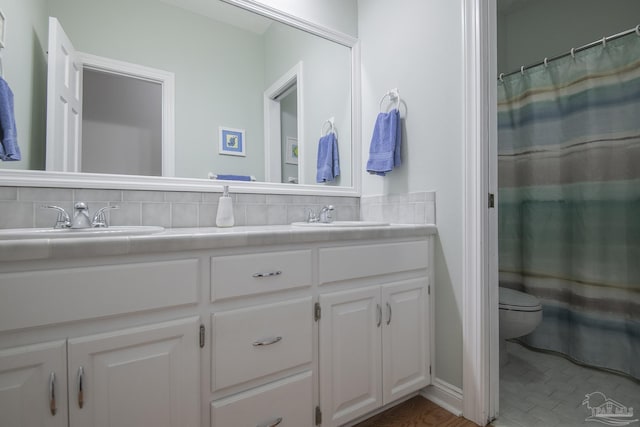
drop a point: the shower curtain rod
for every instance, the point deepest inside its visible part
(573, 51)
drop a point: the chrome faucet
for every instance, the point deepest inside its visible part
(63, 220)
(100, 219)
(325, 214)
(80, 217)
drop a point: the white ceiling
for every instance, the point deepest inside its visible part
(223, 12)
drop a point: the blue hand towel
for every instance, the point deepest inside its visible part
(384, 151)
(9, 149)
(235, 177)
(328, 159)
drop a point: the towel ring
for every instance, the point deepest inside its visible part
(332, 127)
(394, 95)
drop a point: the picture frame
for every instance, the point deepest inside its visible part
(3, 25)
(231, 142)
(291, 154)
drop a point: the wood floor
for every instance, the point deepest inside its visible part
(416, 412)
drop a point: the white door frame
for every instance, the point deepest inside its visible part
(166, 80)
(272, 128)
(480, 374)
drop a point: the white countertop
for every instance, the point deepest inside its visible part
(186, 239)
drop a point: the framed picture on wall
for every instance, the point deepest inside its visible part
(232, 142)
(2, 28)
(291, 155)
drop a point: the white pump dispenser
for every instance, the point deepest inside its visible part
(224, 217)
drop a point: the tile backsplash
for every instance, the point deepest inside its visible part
(21, 207)
(407, 208)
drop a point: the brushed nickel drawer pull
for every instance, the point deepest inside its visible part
(273, 423)
(389, 311)
(52, 393)
(379, 312)
(267, 341)
(270, 274)
(80, 387)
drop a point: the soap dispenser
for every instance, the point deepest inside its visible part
(224, 218)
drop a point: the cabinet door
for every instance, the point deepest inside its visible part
(145, 376)
(405, 338)
(33, 386)
(350, 355)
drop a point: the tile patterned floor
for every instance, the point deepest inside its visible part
(544, 390)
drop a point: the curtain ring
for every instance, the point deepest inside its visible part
(522, 70)
(573, 52)
(638, 29)
(546, 62)
(500, 77)
(604, 42)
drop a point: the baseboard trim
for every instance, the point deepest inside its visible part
(444, 395)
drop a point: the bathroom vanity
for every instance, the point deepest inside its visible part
(249, 326)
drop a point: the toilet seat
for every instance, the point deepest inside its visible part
(512, 300)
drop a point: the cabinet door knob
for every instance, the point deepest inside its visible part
(80, 387)
(273, 423)
(389, 313)
(267, 341)
(379, 313)
(52, 393)
(270, 274)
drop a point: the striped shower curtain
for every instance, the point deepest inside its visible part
(569, 201)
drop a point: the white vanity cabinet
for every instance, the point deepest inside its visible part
(145, 376)
(132, 377)
(297, 329)
(108, 342)
(33, 385)
(374, 339)
(263, 347)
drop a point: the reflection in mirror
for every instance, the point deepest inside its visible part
(223, 59)
(121, 114)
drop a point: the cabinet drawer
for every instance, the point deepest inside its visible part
(53, 296)
(351, 262)
(250, 274)
(289, 400)
(254, 342)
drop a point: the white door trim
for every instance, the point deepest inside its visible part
(272, 128)
(165, 78)
(479, 319)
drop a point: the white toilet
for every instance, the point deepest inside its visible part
(520, 314)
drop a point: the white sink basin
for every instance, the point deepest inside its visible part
(341, 224)
(60, 233)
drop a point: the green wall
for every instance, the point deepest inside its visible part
(218, 72)
(25, 70)
(326, 90)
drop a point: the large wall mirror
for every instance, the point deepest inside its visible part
(175, 93)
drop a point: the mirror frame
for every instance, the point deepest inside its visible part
(27, 178)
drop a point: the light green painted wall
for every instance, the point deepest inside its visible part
(544, 28)
(403, 47)
(327, 90)
(25, 70)
(218, 70)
